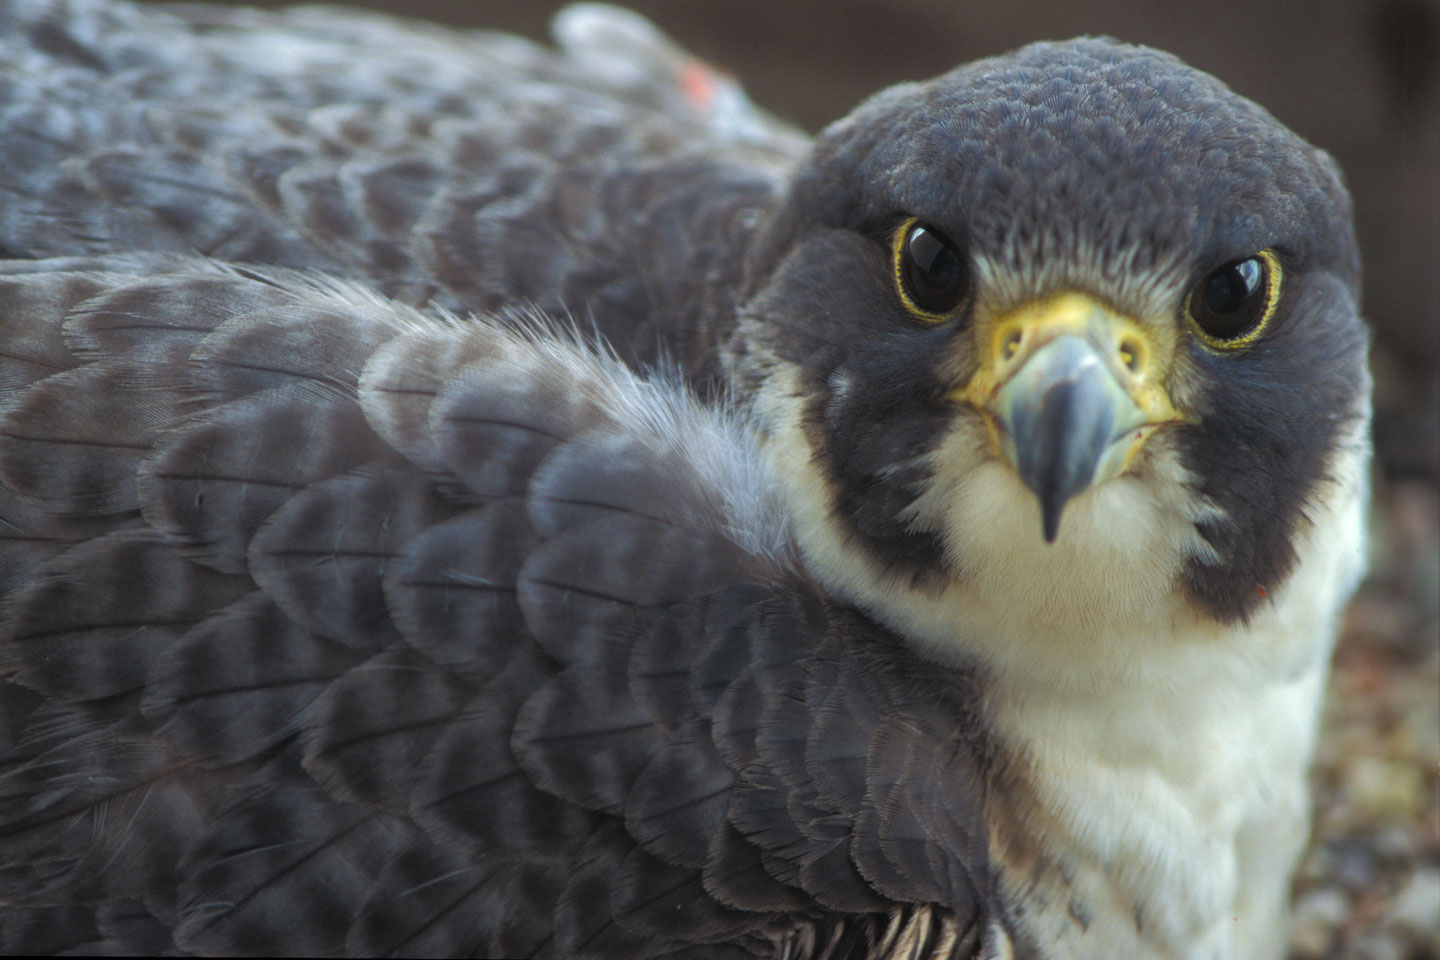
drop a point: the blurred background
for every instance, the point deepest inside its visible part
(1360, 78)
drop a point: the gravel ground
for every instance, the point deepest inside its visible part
(1369, 888)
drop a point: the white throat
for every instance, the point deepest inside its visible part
(1153, 801)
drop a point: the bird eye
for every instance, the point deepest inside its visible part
(931, 277)
(1233, 304)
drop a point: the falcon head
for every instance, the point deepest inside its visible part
(1063, 345)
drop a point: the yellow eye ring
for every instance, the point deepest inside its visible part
(1232, 306)
(931, 278)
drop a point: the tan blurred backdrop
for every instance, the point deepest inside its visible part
(1360, 78)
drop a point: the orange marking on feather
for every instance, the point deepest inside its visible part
(698, 82)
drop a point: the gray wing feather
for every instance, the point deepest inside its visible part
(464, 170)
(532, 644)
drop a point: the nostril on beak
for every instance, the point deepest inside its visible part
(1130, 354)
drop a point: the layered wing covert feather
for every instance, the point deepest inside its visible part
(467, 170)
(334, 626)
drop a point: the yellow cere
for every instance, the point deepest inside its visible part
(1140, 354)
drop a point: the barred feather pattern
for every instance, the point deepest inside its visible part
(331, 626)
(468, 171)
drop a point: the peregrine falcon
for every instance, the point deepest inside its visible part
(466, 497)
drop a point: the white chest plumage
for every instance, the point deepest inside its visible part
(1153, 798)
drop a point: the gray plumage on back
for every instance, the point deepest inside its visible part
(467, 171)
(462, 497)
(310, 625)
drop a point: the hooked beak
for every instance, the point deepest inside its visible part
(1071, 390)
